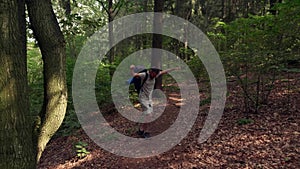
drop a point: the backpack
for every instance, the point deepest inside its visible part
(138, 81)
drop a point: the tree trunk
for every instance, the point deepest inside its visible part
(67, 7)
(51, 42)
(184, 9)
(223, 10)
(16, 145)
(157, 39)
(111, 13)
(145, 9)
(272, 5)
(110, 30)
(111, 53)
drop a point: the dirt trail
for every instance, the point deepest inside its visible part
(270, 140)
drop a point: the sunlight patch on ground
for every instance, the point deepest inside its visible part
(69, 164)
(176, 99)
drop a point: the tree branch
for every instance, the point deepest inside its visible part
(118, 6)
(117, 11)
(107, 11)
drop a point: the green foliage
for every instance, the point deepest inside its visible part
(265, 41)
(255, 49)
(171, 88)
(102, 85)
(244, 121)
(86, 18)
(252, 41)
(196, 66)
(34, 64)
(130, 131)
(70, 124)
(292, 70)
(287, 159)
(74, 45)
(35, 78)
(81, 150)
(133, 95)
(205, 101)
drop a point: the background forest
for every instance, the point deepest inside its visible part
(258, 42)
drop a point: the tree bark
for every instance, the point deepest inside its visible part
(16, 145)
(67, 7)
(183, 9)
(111, 13)
(157, 39)
(145, 9)
(51, 42)
(110, 30)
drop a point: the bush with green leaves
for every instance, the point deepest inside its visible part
(244, 121)
(35, 78)
(198, 69)
(70, 124)
(81, 150)
(256, 49)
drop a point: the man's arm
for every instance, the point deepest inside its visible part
(167, 71)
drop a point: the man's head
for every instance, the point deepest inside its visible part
(153, 72)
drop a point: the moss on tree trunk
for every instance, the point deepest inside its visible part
(51, 42)
(16, 145)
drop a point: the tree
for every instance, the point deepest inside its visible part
(16, 146)
(51, 42)
(111, 11)
(67, 7)
(157, 39)
(183, 9)
(256, 63)
(22, 141)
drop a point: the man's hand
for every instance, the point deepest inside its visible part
(132, 70)
(168, 70)
(132, 67)
(177, 68)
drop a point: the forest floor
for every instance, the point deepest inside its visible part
(271, 139)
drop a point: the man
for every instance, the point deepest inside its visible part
(145, 95)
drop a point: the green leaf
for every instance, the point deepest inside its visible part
(244, 121)
(78, 146)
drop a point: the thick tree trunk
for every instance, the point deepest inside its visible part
(157, 39)
(52, 45)
(16, 145)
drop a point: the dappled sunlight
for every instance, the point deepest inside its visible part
(74, 163)
(138, 105)
(270, 140)
(176, 99)
(174, 94)
(245, 149)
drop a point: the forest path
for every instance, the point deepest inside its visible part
(270, 140)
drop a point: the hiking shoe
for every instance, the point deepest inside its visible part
(140, 132)
(146, 135)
